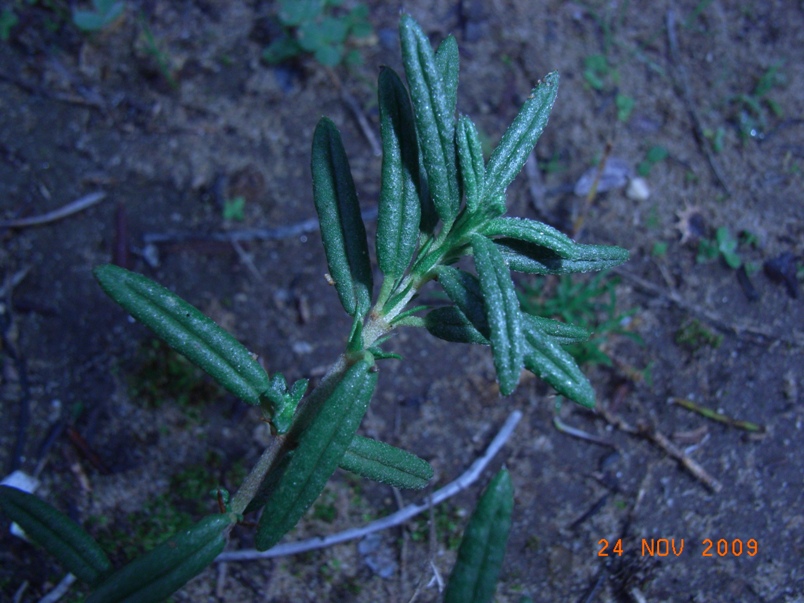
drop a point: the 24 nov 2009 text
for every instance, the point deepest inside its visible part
(667, 547)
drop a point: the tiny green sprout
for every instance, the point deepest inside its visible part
(595, 71)
(659, 249)
(716, 138)
(654, 155)
(625, 105)
(234, 209)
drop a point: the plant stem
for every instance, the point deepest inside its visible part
(250, 486)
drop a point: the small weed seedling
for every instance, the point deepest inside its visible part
(655, 154)
(440, 201)
(316, 27)
(234, 209)
(754, 109)
(725, 245)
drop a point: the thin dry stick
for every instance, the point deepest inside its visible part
(62, 588)
(247, 259)
(683, 82)
(247, 234)
(57, 214)
(590, 196)
(14, 280)
(663, 443)
(461, 483)
(354, 107)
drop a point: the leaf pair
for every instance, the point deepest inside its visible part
(487, 311)
(148, 579)
(329, 441)
(433, 81)
(60, 535)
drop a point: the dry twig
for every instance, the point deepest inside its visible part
(57, 214)
(662, 442)
(682, 81)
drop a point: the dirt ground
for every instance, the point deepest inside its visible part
(170, 136)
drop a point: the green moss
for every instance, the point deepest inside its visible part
(693, 336)
(163, 375)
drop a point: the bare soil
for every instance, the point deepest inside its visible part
(83, 113)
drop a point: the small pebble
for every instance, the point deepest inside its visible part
(638, 189)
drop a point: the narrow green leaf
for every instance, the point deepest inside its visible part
(399, 214)
(518, 141)
(465, 291)
(75, 549)
(342, 229)
(447, 60)
(530, 231)
(166, 568)
(552, 363)
(450, 324)
(386, 464)
(523, 256)
(321, 447)
(502, 312)
(186, 330)
(470, 156)
(435, 118)
(482, 550)
(560, 332)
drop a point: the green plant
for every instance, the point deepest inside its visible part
(726, 245)
(625, 105)
(440, 201)
(716, 138)
(596, 70)
(753, 109)
(588, 303)
(163, 375)
(693, 336)
(314, 27)
(654, 155)
(103, 14)
(8, 19)
(151, 48)
(234, 209)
